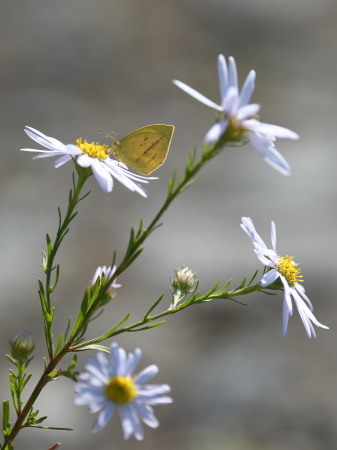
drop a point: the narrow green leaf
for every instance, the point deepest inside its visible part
(49, 428)
(41, 287)
(59, 217)
(152, 307)
(73, 363)
(171, 183)
(57, 276)
(208, 293)
(60, 343)
(6, 408)
(11, 359)
(253, 278)
(131, 241)
(67, 329)
(153, 325)
(140, 229)
(243, 283)
(72, 217)
(97, 347)
(49, 245)
(132, 258)
(70, 196)
(105, 336)
(84, 196)
(25, 381)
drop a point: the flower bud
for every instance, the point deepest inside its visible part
(184, 280)
(182, 283)
(21, 346)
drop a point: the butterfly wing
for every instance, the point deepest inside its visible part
(145, 149)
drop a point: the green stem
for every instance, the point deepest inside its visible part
(74, 198)
(172, 310)
(34, 395)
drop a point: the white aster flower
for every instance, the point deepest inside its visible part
(107, 271)
(239, 118)
(109, 384)
(90, 155)
(283, 268)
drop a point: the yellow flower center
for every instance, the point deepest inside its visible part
(289, 270)
(121, 390)
(93, 149)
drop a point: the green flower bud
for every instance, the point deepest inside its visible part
(21, 346)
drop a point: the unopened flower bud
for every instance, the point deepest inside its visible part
(21, 346)
(184, 280)
(182, 283)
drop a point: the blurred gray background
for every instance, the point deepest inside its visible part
(70, 68)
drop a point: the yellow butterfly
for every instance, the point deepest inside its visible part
(145, 149)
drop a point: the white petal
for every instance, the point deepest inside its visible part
(247, 111)
(72, 149)
(98, 274)
(123, 170)
(285, 319)
(85, 160)
(305, 313)
(44, 140)
(265, 261)
(125, 177)
(103, 417)
(269, 153)
(300, 289)
(304, 316)
(276, 131)
(94, 368)
(132, 361)
(230, 103)
(102, 176)
(63, 160)
(215, 133)
(160, 400)
(247, 89)
(137, 426)
(269, 277)
(97, 405)
(146, 414)
(287, 295)
(146, 374)
(223, 76)
(113, 357)
(154, 389)
(45, 152)
(233, 75)
(248, 227)
(201, 98)
(130, 422)
(104, 363)
(121, 362)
